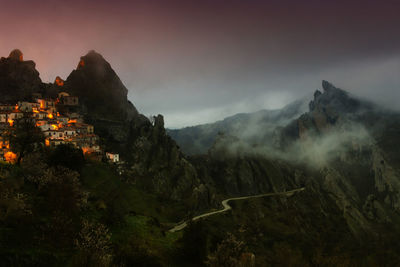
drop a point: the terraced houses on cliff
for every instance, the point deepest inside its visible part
(56, 118)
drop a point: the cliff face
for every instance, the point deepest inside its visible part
(362, 174)
(100, 90)
(247, 175)
(153, 160)
(331, 108)
(18, 78)
(157, 163)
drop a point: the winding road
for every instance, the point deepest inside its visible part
(227, 207)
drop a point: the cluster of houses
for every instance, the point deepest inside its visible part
(58, 121)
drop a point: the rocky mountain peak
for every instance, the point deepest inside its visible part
(334, 99)
(16, 54)
(327, 85)
(93, 59)
(18, 78)
(99, 88)
(331, 107)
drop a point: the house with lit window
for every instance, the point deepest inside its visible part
(47, 104)
(15, 115)
(3, 116)
(6, 107)
(112, 157)
(58, 121)
(28, 106)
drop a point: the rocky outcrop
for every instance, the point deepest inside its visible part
(386, 178)
(99, 89)
(156, 163)
(329, 109)
(17, 55)
(153, 160)
(18, 78)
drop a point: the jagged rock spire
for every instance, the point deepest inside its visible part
(327, 85)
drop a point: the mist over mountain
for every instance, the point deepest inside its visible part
(254, 128)
(345, 139)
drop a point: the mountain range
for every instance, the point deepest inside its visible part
(342, 149)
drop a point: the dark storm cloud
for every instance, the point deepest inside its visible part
(198, 61)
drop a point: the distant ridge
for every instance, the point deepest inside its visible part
(257, 127)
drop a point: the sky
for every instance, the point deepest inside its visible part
(198, 61)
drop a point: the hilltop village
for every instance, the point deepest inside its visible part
(58, 120)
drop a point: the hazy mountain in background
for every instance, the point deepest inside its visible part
(256, 128)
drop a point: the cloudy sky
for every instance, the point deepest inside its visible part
(198, 61)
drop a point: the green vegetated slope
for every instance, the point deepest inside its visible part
(295, 231)
(138, 220)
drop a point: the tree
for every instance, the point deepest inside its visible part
(230, 253)
(25, 137)
(94, 244)
(194, 242)
(67, 156)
